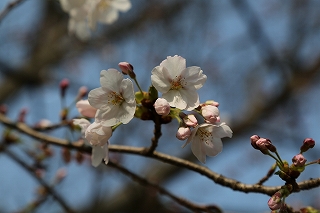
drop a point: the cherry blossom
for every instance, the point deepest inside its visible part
(178, 83)
(106, 11)
(97, 136)
(115, 98)
(206, 140)
(78, 11)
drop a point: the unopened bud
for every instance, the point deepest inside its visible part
(299, 160)
(308, 143)
(79, 157)
(22, 115)
(127, 69)
(210, 113)
(275, 202)
(82, 92)
(183, 133)
(66, 155)
(190, 120)
(64, 84)
(3, 109)
(162, 106)
(211, 102)
(254, 139)
(60, 175)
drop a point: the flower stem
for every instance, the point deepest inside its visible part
(116, 126)
(135, 80)
(280, 161)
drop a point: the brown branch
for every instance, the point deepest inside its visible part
(8, 8)
(217, 178)
(48, 188)
(192, 206)
(268, 175)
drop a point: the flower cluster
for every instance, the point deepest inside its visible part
(178, 85)
(111, 104)
(115, 103)
(85, 14)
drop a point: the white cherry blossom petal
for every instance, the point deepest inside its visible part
(121, 5)
(98, 153)
(213, 147)
(160, 79)
(206, 140)
(198, 149)
(175, 65)
(192, 98)
(110, 80)
(98, 98)
(175, 99)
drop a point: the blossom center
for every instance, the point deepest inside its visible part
(204, 135)
(115, 98)
(103, 5)
(178, 82)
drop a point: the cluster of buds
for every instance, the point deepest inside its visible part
(262, 144)
(288, 173)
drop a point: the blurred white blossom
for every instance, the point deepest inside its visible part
(84, 14)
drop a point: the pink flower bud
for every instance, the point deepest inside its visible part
(43, 123)
(86, 109)
(127, 69)
(211, 102)
(275, 202)
(162, 106)
(254, 139)
(190, 120)
(64, 84)
(3, 109)
(308, 143)
(82, 92)
(22, 115)
(183, 133)
(210, 113)
(262, 144)
(299, 160)
(60, 175)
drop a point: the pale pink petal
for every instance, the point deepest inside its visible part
(191, 97)
(98, 98)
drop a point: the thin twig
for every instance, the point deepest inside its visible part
(268, 175)
(31, 170)
(217, 178)
(181, 201)
(8, 8)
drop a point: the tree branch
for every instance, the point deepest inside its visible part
(48, 188)
(181, 201)
(217, 178)
(8, 8)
